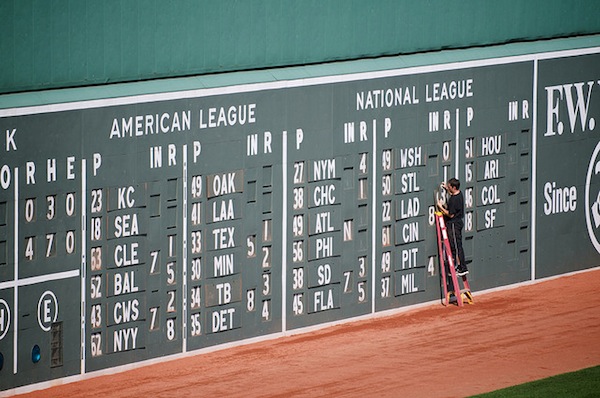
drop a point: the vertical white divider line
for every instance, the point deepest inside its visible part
(83, 259)
(16, 274)
(184, 243)
(284, 232)
(374, 223)
(534, 170)
(457, 146)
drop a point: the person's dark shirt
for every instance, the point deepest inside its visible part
(456, 206)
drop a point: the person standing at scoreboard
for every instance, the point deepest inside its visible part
(454, 212)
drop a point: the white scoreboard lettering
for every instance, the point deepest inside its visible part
(160, 225)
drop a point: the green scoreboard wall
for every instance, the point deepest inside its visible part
(68, 43)
(138, 227)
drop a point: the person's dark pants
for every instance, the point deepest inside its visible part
(455, 238)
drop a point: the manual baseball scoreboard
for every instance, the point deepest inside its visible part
(140, 227)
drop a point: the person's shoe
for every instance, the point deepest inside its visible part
(462, 272)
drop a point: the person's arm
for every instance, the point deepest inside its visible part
(441, 207)
(446, 211)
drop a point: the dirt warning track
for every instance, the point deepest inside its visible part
(506, 338)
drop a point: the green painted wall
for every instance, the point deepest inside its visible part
(64, 43)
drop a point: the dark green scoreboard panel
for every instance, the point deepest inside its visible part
(141, 227)
(568, 166)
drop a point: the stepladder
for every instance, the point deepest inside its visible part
(453, 293)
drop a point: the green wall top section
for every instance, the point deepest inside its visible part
(66, 43)
(221, 80)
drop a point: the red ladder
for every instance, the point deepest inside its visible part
(446, 261)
